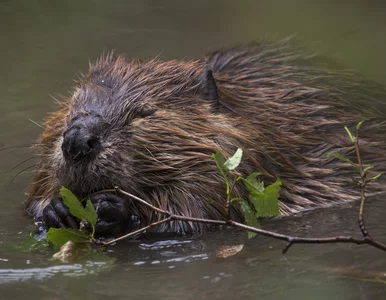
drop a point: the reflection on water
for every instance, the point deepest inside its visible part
(46, 43)
(18, 275)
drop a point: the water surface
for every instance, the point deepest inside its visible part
(45, 44)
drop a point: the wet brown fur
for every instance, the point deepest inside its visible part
(286, 110)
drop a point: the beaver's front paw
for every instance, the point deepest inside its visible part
(113, 216)
(57, 215)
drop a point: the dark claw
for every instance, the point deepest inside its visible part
(113, 216)
(57, 215)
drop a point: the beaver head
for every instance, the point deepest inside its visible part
(128, 122)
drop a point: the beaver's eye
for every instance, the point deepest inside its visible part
(145, 112)
(139, 113)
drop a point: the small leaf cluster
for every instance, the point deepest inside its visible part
(354, 140)
(262, 201)
(58, 237)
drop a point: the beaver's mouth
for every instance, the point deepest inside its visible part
(84, 182)
(89, 171)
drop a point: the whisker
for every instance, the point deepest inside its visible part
(36, 123)
(32, 157)
(59, 99)
(19, 146)
(30, 167)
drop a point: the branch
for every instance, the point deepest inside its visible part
(362, 184)
(291, 240)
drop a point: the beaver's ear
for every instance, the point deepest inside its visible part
(209, 89)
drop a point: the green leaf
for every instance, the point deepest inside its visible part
(250, 218)
(234, 161)
(58, 237)
(376, 177)
(237, 199)
(224, 172)
(252, 184)
(91, 213)
(267, 203)
(368, 168)
(359, 125)
(340, 157)
(76, 208)
(273, 192)
(219, 162)
(265, 200)
(352, 139)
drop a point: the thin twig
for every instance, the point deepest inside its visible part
(229, 198)
(137, 231)
(118, 190)
(362, 184)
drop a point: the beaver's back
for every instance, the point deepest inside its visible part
(295, 109)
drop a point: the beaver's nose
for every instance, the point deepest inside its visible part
(79, 143)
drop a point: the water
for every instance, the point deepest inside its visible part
(45, 44)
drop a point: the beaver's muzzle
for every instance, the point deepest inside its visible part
(79, 143)
(82, 139)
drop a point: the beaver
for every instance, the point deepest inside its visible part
(151, 128)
